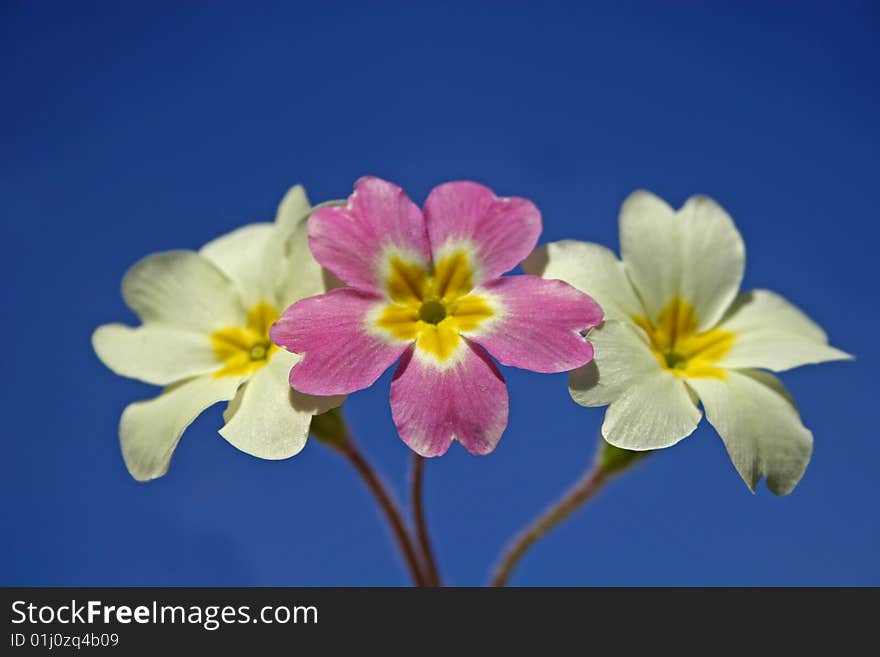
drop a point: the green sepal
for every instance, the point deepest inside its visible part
(330, 428)
(614, 459)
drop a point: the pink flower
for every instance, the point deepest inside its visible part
(427, 286)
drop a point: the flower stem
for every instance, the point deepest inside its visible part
(610, 461)
(389, 508)
(432, 574)
(331, 429)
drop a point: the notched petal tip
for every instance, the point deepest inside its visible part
(425, 449)
(761, 429)
(376, 188)
(538, 324)
(502, 231)
(467, 402)
(482, 448)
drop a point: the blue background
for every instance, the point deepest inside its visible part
(128, 129)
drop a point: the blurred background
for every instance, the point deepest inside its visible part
(129, 128)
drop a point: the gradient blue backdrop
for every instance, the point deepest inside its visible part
(128, 129)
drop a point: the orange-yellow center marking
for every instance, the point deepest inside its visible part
(245, 349)
(679, 348)
(433, 308)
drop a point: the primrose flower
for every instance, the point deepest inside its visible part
(677, 331)
(427, 287)
(205, 336)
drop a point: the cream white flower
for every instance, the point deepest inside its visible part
(678, 332)
(205, 337)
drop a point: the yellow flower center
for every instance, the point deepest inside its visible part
(679, 348)
(432, 312)
(433, 308)
(245, 349)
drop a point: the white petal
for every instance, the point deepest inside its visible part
(301, 276)
(294, 208)
(760, 427)
(272, 262)
(714, 259)
(650, 246)
(656, 412)
(150, 430)
(591, 268)
(182, 288)
(242, 255)
(696, 254)
(267, 418)
(254, 255)
(622, 358)
(773, 334)
(154, 353)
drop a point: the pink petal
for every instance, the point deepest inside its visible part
(502, 231)
(339, 354)
(538, 323)
(355, 241)
(467, 400)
